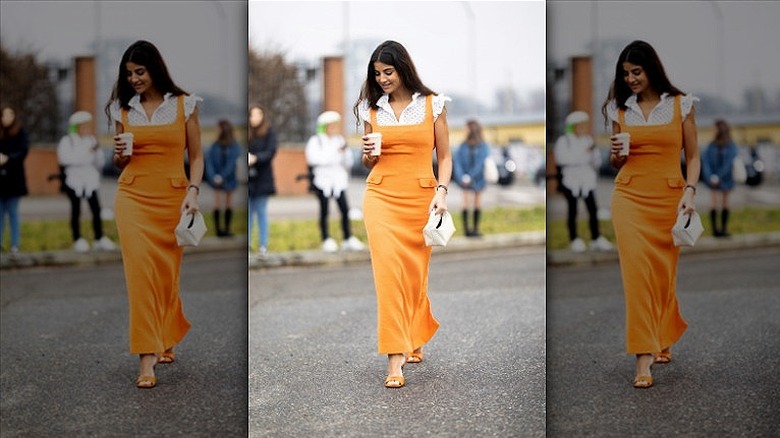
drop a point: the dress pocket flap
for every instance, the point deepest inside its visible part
(675, 183)
(126, 179)
(427, 182)
(179, 182)
(374, 179)
(623, 179)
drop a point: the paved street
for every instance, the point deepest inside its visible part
(723, 380)
(66, 370)
(314, 370)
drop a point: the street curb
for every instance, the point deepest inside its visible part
(456, 245)
(64, 258)
(705, 244)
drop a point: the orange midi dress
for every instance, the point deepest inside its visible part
(148, 202)
(399, 190)
(644, 208)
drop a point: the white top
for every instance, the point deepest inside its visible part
(578, 163)
(163, 115)
(329, 163)
(660, 115)
(413, 114)
(82, 164)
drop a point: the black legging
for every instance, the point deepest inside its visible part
(346, 227)
(571, 218)
(75, 213)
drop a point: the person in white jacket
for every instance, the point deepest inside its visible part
(579, 158)
(330, 159)
(81, 159)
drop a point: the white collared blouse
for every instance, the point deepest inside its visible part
(660, 115)
(163, 115)
(413, 114)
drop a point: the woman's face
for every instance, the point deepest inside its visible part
(8, 117)
(138, 77)
(387, 77)
(255, 117)
(636, 78)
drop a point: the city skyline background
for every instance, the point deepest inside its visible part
(203, 44)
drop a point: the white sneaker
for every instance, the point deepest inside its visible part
(105, 244)
(81, 245)
(577, 245)
(601, 244)
(352, 244)
(330, 245)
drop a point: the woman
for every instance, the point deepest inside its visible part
(13, 184)
(330, 159)
(401, 191)
(221, 163)
(579, 158)
(152, 193)
(81, 159)
(717, 165)
(469, 168)
(262, 148)
(649, 192)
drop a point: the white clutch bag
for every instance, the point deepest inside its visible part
(190, 229)
(687, 229)
(439, 229)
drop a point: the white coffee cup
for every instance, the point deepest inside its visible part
(624, 138)
(377, 137)
(127, 137)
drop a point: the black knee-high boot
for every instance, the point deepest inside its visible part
(466, 229)
(217, 224)
(477, 215)
(724, 220)
(714, 220)
(228, 219)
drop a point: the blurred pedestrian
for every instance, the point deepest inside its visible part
(401, 191)
(13, 184)
(221, 164)
(650, 191)
(577, 155)
(330, 159)
(81, 160)
(262, 148)
(469, 174)
(152, 193)
(717, 166)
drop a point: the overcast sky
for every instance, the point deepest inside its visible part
(509, 38)
(694, 43)
(203, 42)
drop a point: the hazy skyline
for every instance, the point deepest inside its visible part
(720, 48)
(203, 43)
(508, 50)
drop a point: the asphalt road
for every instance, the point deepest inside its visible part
(66, 370)
(314, 369)
(724, 379)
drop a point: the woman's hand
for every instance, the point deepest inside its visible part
(252, 159)
(190, 203)
(687, 204)
(368, 147)
(439, 202)
(119, 148)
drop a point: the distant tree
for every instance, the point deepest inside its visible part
(276, 85)
(25, 85)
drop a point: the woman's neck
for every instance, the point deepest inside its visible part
(151, 96)
(401, 95)
(649, 95)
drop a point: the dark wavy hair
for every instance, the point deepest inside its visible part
(146, 54)
(644, 55)
(390, 53)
